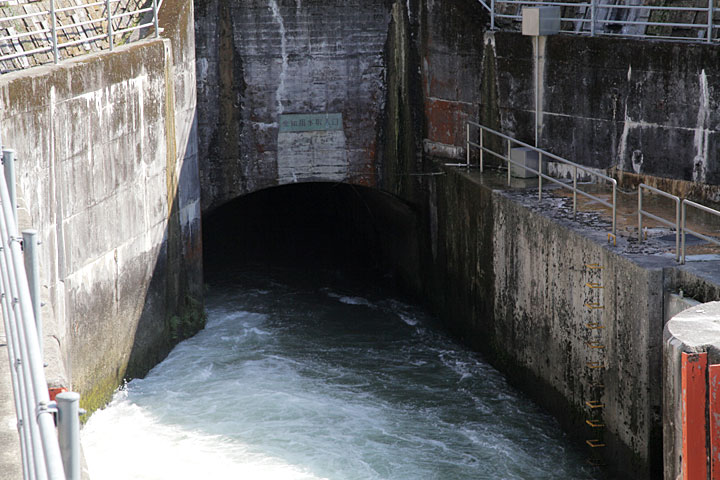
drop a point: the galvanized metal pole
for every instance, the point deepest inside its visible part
(467, 145)
(574, 191)
(53, 27)
(68, 425)
(614, 208)
(482, 130)
(155, 18)
(540, 159)
(32, 268)
(536, 39)
(677, 230)
(8, 161)
(710, 20)
(508, 159)
(492, 14)
(110, 26)
(593, 8)
(640, 239)
(682, 235)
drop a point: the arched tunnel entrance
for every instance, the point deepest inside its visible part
(322, 226)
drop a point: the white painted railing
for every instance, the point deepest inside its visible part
(626, 18)
(48, 34)
(47, 452)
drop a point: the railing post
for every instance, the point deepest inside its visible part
(30, 244)
(8, 160)
(682, 234)
(467, 144)
(677, 230)
(110, 27)
(53, 27)
(492, 14)
(482, 131)
(508, 160)
(574, 192)
(540, 176)
(68, 425)
(614, 209)
(640, 238)
(593, 9)
(710, 20)
(155, 19)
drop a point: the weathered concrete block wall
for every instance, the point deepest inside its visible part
(511, 282)
(638, 107)
(107, 172)
(258, 59)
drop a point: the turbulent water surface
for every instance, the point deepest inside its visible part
(293, 380)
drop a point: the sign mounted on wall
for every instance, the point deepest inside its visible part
(310, 122)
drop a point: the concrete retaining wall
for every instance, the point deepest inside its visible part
(512, 282)
(107, 172)
(259, 59)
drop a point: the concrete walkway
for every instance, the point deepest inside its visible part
(10, 462)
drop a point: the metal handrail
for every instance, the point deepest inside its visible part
(685, 230)
(705, 29)
(53, 44)
(642, 212)
(541, 155)
(45, 453)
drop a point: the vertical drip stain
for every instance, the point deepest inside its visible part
(283, 51)
(702, 132)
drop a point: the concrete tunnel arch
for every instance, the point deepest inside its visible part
(316, 224)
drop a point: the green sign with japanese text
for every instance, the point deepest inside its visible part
(309, 122)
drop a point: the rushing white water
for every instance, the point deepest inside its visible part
(293, 381)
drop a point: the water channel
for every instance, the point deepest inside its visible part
(303, 376)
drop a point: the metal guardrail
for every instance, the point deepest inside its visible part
(680, 224)
(686, 230)
(47, 453)
(602, 17)
(542, 155)
(47, 28)
(641, 212)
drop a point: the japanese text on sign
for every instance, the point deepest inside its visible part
(308, 122)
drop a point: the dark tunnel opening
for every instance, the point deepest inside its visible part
(319, 227)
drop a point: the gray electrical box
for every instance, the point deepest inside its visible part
(525, 157)
(540, 20)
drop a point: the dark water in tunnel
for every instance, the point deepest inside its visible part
(310, 372)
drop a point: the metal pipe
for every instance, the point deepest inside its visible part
(593, 8)
(677, 230)
(467, 144)
(614, 208)
(42, 427)
(639, 214)
(482, 130)
(682, 235)
(540, 177)
(110, 26)
(509, 149)
(492, 14)
(710, 20)
(574, 192)
(68, 425)
(8, 161)
(155, 18)
(32, 269)
(53, 23)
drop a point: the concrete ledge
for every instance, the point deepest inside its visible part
(694, 330)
